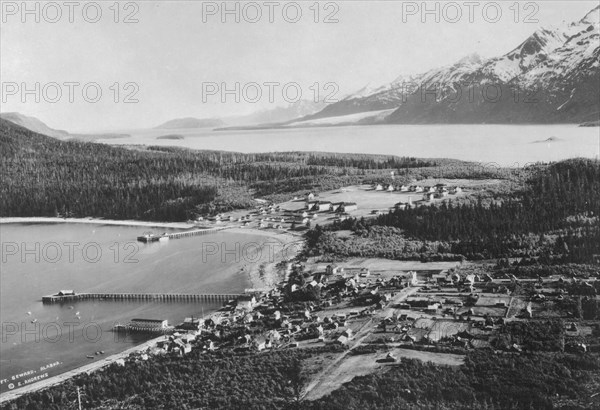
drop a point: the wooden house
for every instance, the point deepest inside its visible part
(345, 206)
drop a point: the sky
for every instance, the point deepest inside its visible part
(115, 66)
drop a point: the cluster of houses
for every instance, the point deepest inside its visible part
(429, 192)
(328, 206)
(181, 341)
(262, 320)
(340, 295)
(271, 216)
(439, 191)
(255, 322)
(274, 217)
(220, 218)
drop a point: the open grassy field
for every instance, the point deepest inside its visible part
(368, 199)
(516, 307)
(447, 359)
(446, 328)
(360, 365)
(385, 267)
(484, 310)
(493, 300)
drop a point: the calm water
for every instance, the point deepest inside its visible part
(503, 144)
(68, 333)
(114, 262)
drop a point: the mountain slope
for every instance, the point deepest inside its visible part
(290, 112)
(33, 124)
(553, 76)
(190, 122)
(36, 125)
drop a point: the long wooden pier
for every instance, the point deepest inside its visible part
(183, 234)
(154, 297)
(196, 232)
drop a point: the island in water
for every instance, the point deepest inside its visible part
(171, 137)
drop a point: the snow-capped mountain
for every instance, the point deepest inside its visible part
(553, 76)
(530, 53)
(367, 90)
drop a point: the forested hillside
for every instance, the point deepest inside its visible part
(554, 217)
(195, 381)
(46, 177)
(272, 381)
(485, 381)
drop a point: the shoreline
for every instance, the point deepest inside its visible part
(260, 275)
(285, 238)
(90, 220)
(88, 368)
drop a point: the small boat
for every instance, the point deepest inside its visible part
(150, 237)
(101, 351)
(34, 321)
(89, 356)
(28, 313)
(77, 313)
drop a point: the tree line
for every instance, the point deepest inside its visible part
(43, 176)
(220, 380)
(554, 217)
(486, 381)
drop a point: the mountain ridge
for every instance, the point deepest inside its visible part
(551, 77)
(38, 126)
(190, 122)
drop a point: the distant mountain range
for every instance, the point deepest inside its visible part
(36, 125)
(191, 123)
(275, 115)
(290, 112)
(271, 116)
(552, 77)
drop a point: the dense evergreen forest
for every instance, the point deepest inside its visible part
(195, 381)
(553, 218)
(42, 176)
(273, 380)
(485, 381)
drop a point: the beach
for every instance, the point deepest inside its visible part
(262, 274)
(100, 221)
(89, 368)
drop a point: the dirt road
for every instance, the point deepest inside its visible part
(322, 382)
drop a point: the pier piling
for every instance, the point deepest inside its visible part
(171, 297)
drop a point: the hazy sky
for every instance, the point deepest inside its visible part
(175, 47)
